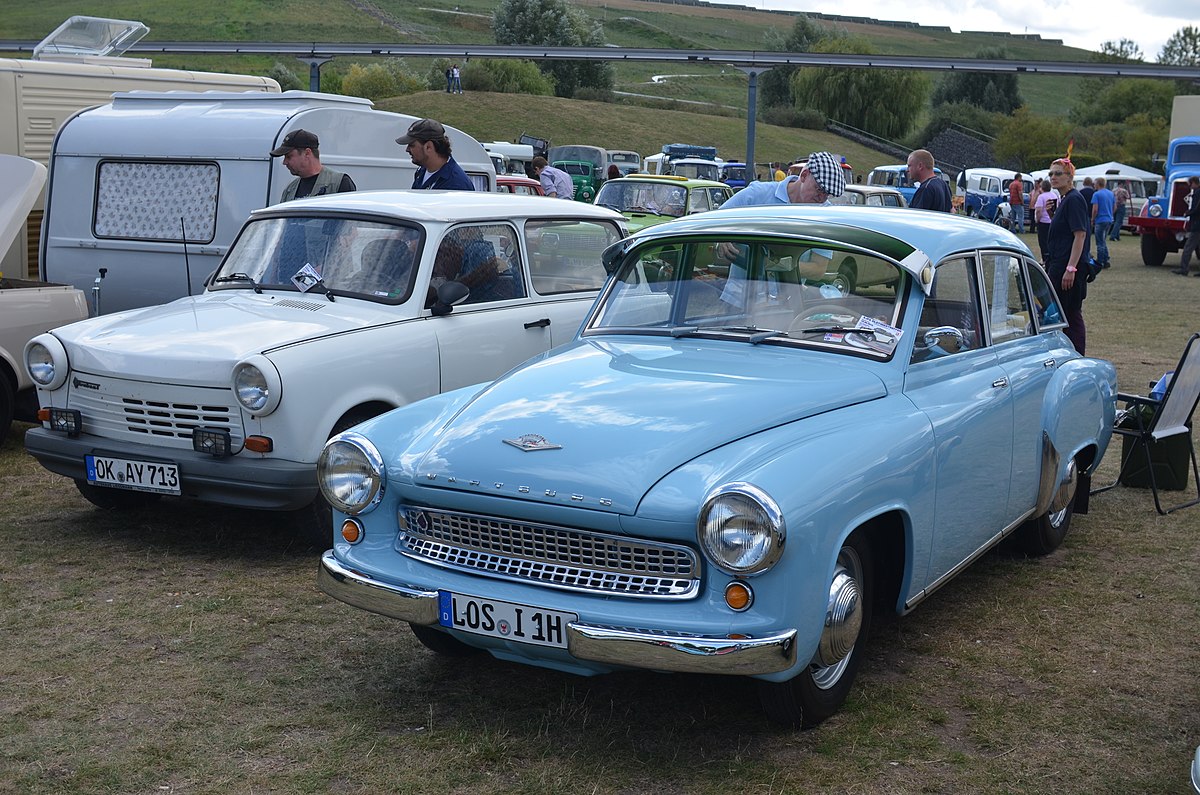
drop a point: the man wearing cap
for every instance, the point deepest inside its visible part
(820, 179)
(301, 155)
(429, 147)
(933, 193)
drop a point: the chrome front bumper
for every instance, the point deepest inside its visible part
(626, 648)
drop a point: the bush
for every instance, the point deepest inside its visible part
(800, 118)
(595, 94)
(376, 81)
(286, 78)
(503, 76)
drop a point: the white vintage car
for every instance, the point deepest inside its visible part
(325, 312)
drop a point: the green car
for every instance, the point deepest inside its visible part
(583, 176)
(648, 199)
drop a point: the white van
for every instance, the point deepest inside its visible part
(38, 95)
(152, 187)
(1131, 182)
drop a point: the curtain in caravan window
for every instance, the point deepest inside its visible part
(157, 201)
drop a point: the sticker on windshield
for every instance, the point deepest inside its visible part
(306, 278)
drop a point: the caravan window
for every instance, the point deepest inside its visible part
(140, 200)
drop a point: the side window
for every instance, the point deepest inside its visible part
(1008, 306)
(137, 200)
(564, 255)
(485, 258)
(950, 320)
(1049, 313)
(719, 197)
(699, 200)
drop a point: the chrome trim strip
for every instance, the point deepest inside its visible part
(987, 545)
(1048, 484)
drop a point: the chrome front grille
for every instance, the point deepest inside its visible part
(164, 414)
(556, 557)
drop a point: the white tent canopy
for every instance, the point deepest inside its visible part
(1110, 168)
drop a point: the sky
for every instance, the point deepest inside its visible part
(1079, 23)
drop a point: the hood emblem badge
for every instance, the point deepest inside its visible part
(531, 442)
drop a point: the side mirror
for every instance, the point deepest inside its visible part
(449, 294)
(948, 338)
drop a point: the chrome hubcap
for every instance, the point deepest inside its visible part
(843, 620)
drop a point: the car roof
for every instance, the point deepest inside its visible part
(671, 179)
(442, 205)
(888, 230)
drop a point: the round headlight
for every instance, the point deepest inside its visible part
(46, 361)
(741, 529)
(257, 385)
(1155, 210)
(351, 474)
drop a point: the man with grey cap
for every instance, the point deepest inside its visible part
(820, 179)
(429, 147)
(301, 155)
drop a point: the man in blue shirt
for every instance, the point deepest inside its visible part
(1103, 202)
(820, 179)
(429, 147)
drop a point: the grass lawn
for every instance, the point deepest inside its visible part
(186, 649)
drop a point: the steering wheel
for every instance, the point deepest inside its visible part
(827, 314)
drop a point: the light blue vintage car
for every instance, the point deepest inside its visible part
(736, 461)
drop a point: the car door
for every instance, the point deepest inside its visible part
(964, 392)
(498, 326)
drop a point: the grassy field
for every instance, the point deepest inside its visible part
(627, 23)
(186, 649)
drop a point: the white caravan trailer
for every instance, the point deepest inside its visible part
(153, 187)
(74, 68)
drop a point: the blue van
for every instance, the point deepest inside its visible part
(897, 177)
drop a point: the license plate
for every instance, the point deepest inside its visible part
(123, 473)
(505, 620)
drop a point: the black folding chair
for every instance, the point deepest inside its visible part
(1158, 430)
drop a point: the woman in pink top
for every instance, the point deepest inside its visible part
(1042, 211)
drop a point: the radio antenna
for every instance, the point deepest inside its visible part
(187, 266)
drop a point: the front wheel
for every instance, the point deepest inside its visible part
(1154, 251)
(820, 689)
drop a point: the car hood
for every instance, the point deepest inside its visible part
(597, 423)
(198, 339)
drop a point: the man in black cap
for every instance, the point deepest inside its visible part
(429, 148)
(301, 155)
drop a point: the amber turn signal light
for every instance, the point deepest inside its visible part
(738, 596)
(352, 531)
(259, 444)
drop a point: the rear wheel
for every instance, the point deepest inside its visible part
(1154, 251)
(115, 499)
(847, 276)
(1044, 534)
(820, 689)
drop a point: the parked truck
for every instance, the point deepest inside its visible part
(1163, 222)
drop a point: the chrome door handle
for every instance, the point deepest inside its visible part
(1049, 363)
(999, 383)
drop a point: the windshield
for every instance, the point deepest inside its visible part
(783, 292)
(696, 170)
(348, 255)
(644, 197)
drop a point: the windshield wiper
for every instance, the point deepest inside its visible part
(239, 277)
(834, 330)
(757, 333)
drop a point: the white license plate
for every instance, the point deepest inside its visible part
(123, 473)
(503, 619)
